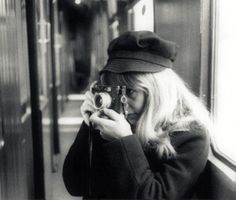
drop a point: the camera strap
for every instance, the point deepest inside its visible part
(90, 151)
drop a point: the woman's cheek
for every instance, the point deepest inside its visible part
(139, 104)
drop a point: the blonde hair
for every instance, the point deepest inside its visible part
(169, 107)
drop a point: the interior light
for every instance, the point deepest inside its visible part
(77, 1)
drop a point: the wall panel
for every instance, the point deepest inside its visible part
(179, 21)
(15, 126)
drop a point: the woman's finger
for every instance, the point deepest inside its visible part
(88, 94)
(89, 97)
(99, 121)
(111, 114)
(86, 119)
(87, 107)
(91, 86)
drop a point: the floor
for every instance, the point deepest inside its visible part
(70, 121)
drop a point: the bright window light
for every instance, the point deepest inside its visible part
(225, 79)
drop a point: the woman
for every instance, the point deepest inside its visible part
(157, 147)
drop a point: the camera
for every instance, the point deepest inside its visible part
(113, 97)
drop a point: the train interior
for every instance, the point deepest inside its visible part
(52, 50)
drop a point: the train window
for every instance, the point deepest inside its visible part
(224, 72)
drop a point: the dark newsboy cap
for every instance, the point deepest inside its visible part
(140, 51)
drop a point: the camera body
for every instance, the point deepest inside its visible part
(113, 97)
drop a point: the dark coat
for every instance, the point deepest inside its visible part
(123, 169)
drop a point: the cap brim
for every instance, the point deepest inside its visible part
(131, 65)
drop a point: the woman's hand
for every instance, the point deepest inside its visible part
(87, 108)
(113, 127)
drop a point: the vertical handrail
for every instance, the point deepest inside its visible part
(56, 142)
(39, 189)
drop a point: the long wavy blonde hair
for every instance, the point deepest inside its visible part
(169, 107)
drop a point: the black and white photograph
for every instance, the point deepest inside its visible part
(117, 99)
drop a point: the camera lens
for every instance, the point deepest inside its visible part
(102, 100)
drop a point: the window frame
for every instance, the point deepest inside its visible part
(213, 44)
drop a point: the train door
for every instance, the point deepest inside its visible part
(16, 168)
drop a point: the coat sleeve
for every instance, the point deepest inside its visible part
(75, 168)
(129, 165)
